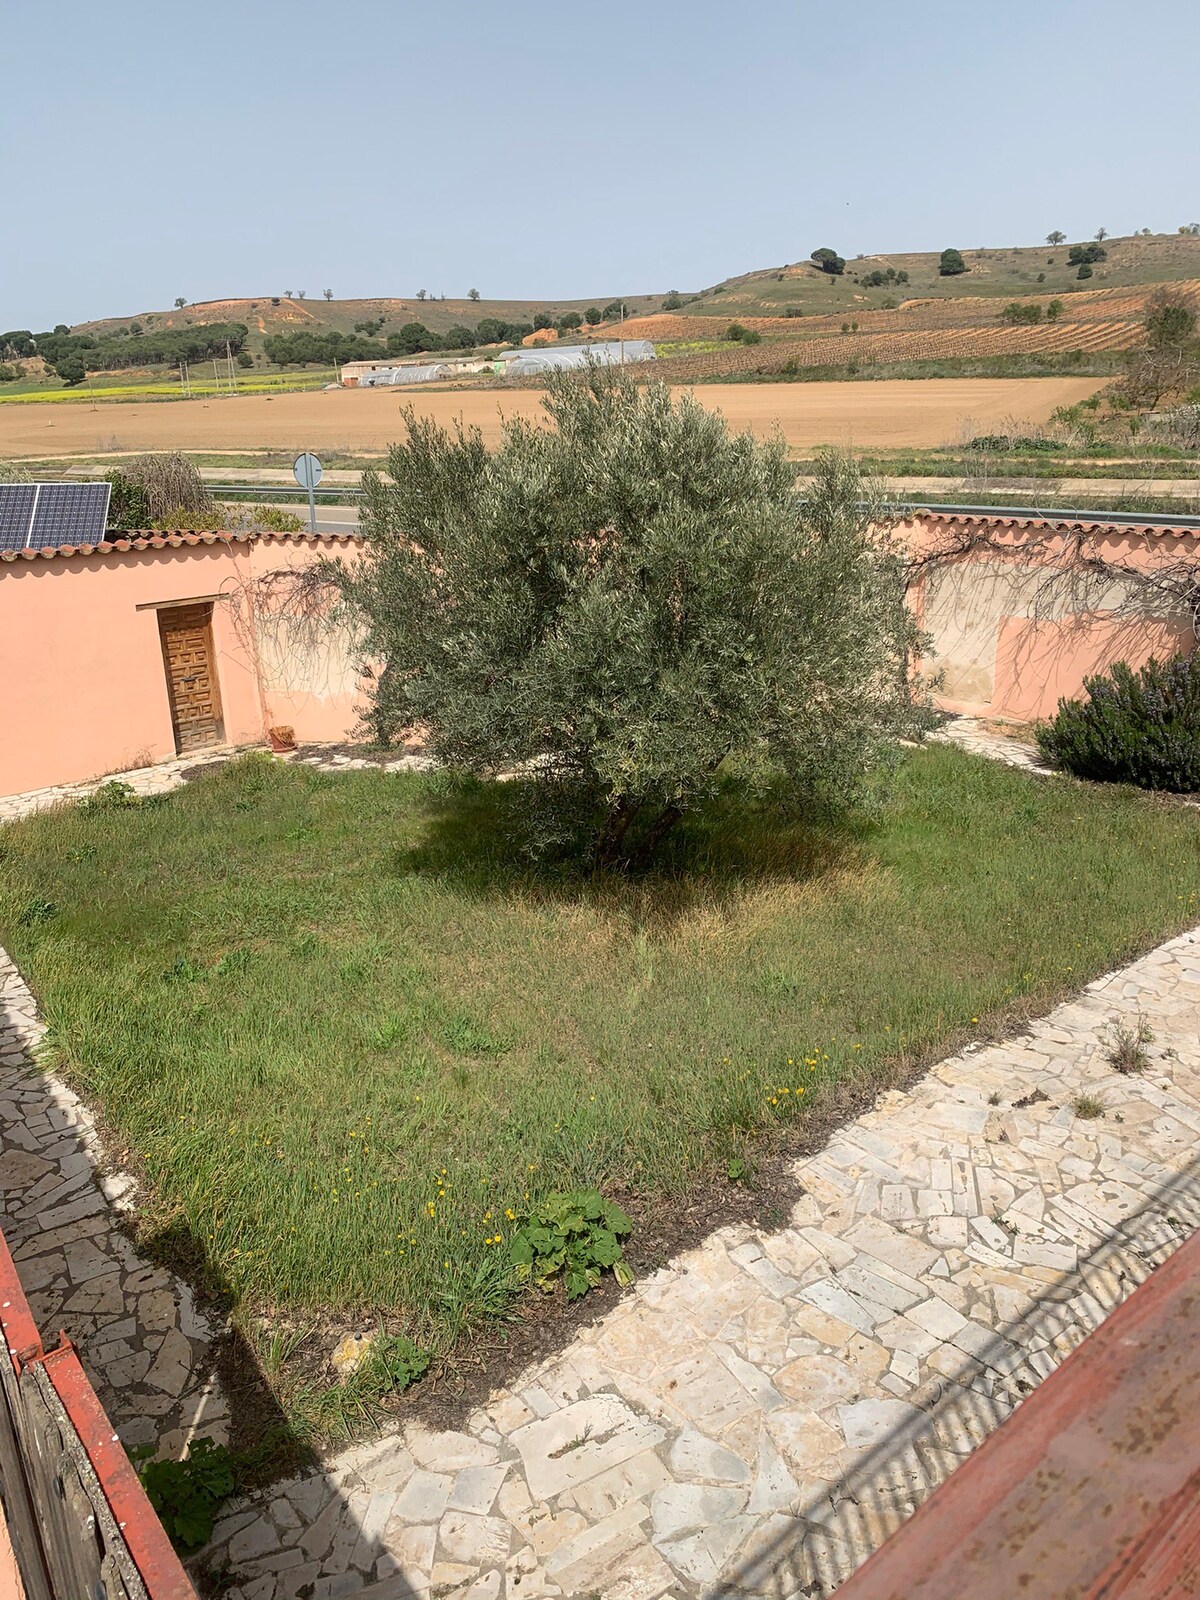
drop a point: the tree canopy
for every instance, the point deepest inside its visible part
(633, 609)
(952, 263)
(829, 261)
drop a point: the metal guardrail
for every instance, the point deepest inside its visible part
(1051, 513)
(80, 1525)
(288, 491)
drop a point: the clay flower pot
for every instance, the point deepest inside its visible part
(283, 738)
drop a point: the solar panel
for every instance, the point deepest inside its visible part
(40, 516)
(16, 514)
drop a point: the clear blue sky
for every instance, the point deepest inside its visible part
(545, 148)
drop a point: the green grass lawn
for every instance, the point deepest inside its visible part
(344, 1039)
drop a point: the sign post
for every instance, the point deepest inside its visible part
(307, 471)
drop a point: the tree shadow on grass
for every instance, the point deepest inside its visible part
(474, 841)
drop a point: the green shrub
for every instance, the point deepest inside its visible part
(273, 519)
(1135, 727)
(128, 505)
(951, 264)
(187, 1494)
(1021, 311)
(577, 1234)
(1084, 272)
(112, 796)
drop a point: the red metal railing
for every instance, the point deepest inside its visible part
(1091, 1489)
(78, 1524)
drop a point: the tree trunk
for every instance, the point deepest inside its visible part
(654, 835)
(616, 825)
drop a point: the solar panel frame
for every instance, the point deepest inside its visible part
(17, 501)
(45, 516)
(69, 514)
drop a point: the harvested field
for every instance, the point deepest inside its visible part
(887, 413)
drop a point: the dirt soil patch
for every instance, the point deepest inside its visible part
(891, 412)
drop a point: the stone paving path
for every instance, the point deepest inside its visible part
(969, 733)
(164, 776)
(147, 1350)
(755, 1418)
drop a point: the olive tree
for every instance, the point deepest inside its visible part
(633, 607)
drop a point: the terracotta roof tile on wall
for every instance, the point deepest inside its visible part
(175, 539)
(1054, 524)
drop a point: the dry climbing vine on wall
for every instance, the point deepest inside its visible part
(1166, 585)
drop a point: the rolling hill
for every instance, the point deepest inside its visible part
(767, 292)
(1028, 269)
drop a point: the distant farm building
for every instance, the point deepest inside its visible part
(607, 353)
(506, 363)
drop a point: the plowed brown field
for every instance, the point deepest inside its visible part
(926, 344)
(932, 412)
(1109, 306)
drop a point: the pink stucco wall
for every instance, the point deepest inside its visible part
(1020, 619)
(84, 686)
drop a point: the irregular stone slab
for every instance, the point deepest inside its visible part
(694, 1456)
(581, 1441)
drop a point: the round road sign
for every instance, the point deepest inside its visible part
(307, 470)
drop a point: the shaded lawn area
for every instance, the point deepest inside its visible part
(344, 1038)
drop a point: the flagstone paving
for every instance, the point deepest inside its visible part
(164, 776)
(969, 733)
(149, 1352)
(753, 1419)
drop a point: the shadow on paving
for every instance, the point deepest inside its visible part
(326, 1538)
(808, 1552)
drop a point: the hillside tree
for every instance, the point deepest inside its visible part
(472, 294)
(829, 261)
(180, 302)
(1100, 235)
(1168, 362)
(1056, 237)
(632, 610)
(328, 293)
(951, 263)
(593, 316)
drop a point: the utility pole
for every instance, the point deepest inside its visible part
(216, 375)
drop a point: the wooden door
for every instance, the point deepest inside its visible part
(186, 633)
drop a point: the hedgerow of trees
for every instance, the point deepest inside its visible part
(414, 338)
(73, 355)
